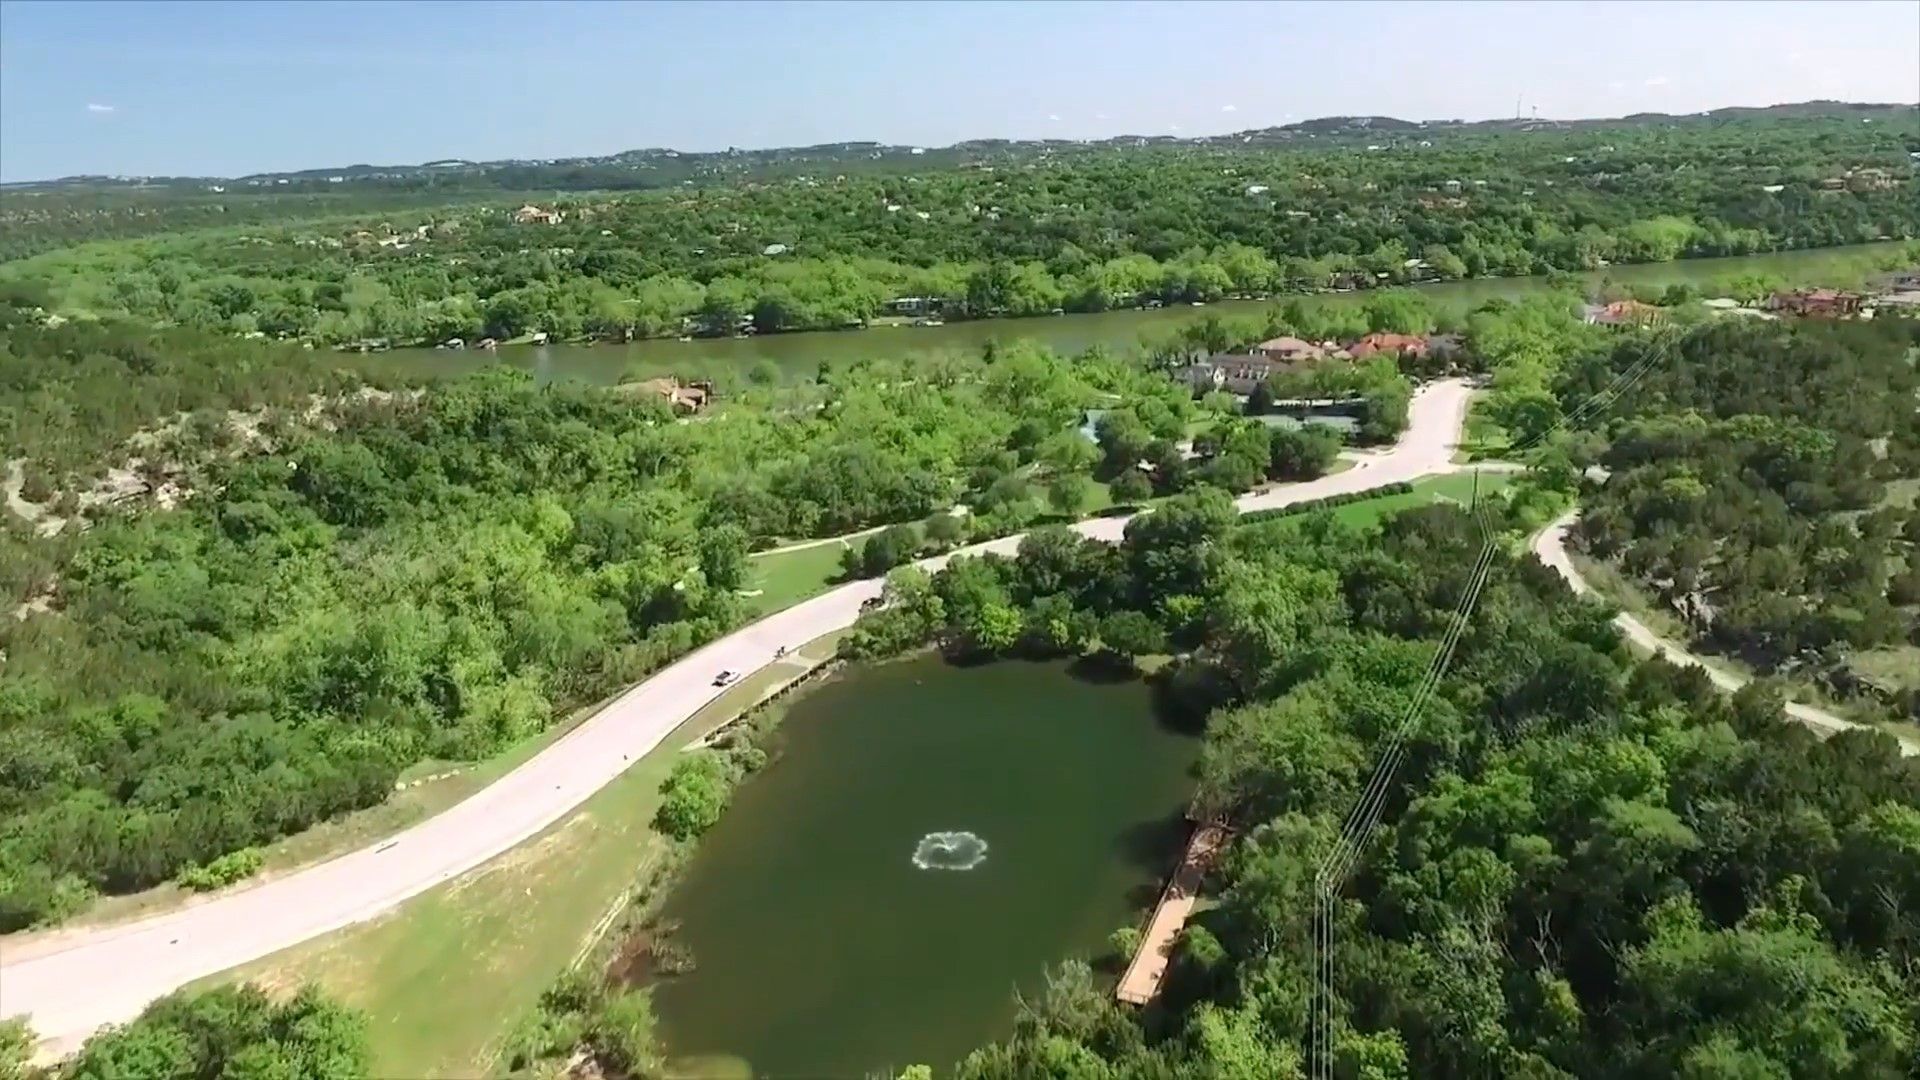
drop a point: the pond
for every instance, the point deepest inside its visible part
(930, 838)
(799, 355)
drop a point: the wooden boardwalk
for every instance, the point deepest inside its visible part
(1141, 982)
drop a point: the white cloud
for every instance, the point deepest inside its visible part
(1616, 86)
(1228, 108)
(1054, 116)
(1101, 116)
(1657, 80)
(99, 109)
(1173, 127)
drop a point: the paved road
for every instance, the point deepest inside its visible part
(1551, 546)
(72, 984)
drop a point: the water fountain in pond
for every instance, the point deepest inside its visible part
(949, 851)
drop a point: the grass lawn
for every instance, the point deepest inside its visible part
(450, 972)
(785, 578)
(1484, 438)
(1902, 493)
(1899, 664)
(1457, 487)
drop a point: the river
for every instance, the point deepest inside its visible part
(799, 355)
(822, 949)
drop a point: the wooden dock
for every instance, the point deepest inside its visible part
(1141, 982)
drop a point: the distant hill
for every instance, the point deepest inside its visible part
(661, 167)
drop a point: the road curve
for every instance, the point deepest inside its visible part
(69, 986)
(1550, 544)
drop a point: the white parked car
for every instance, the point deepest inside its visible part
(726, 678)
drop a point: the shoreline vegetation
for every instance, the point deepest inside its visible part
(1887, 253)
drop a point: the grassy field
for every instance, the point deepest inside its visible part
(1455, 487)
(785, 578)
(445, 976)
(1902, 493)
(782, 579)
(1484, 438)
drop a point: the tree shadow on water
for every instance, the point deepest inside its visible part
(1153, 845)
(1184, 694)
(1098, 670)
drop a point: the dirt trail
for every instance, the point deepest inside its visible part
(1551, 546)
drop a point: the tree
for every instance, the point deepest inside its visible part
(1398, 311)
(622, 1032)
(1768, 992)
(1301, 453)
(1130, 488)
(1124, 440)
(888, 548)
(16, 1047)
(1234, 471)
(723, 556)
(1053, 627)
(1069, 493)
(1130, 635)
(943, 531)
(693, 795)
(230, 1031)
(994, 628)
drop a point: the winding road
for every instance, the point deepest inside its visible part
(71, 984)
(1551, 547)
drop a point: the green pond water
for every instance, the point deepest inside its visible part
(799, 355)
(823, 950)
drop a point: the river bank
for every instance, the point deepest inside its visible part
(793, 356)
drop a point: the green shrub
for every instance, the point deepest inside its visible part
(695, 794)
(1397, 488)
(223, 871)
(621, 1031)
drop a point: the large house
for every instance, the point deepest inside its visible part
(1290, 350)
(530, 214)
(689, 397)
(916, 305)
(1236, 373)
(1622, 313)
(1816, 303)
(1382, 342)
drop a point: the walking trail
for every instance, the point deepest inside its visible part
(1551, 546)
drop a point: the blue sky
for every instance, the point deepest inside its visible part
(229, 88)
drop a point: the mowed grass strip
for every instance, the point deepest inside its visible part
(1453, 487)
(781, 579)
(451, 971)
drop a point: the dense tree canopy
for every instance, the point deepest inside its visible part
(1084, 231)
(229, 1032)
(438, 576)
(1586, 866)
(1760, 482)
